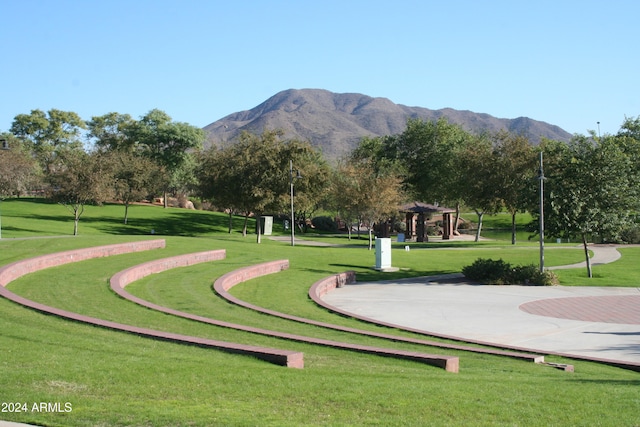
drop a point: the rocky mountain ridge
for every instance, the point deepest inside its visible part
(335, 122)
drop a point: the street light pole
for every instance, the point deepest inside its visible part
(293, 242)
(298, 176)
(541, 178)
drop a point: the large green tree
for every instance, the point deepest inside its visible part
(132, 177)
(515, 170)
(429, 150)
(425, 156)
(49, 133)
(219, 180)
(251, 175)
(366, 194)
(481, 189)
(78, 178)
(111, 132)
(591, 188)
(167, 143)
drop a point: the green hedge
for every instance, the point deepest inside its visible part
(492, 272)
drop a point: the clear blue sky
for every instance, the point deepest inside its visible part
(569, 63)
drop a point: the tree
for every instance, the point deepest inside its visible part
(481, 189)
(218, 180)
(382, 153)
(311, 189)
(515, 167)
(50, 133)
(132, 176)
(590, 188)
(346, 191)
(425, 157)
(111, 132)
(251, 175)
(630, 128)
(166, 142)
(429, 150)
(78, 178)
(19, 172)
(360, 191)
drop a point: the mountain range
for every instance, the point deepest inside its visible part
(335, 122)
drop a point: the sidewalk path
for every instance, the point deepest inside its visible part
(602, 254)
(587, 322)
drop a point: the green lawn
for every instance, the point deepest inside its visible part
(116, 379)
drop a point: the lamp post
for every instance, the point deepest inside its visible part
(298, 176)
(4, 145)
(541, 178)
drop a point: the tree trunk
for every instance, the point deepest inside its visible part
(76, 219)
(586, 254)
(513, 228)
(230, 222)
(455, 224)
(370, 236)
(166, 204)
(126, 212)
(244, 227)
(258, 227)
(480, 216)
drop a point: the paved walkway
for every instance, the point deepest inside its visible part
(593, 322)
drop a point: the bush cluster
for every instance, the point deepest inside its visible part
(631, 234)
(324, 223)
(492, 272)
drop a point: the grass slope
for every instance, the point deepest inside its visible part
(116, 379)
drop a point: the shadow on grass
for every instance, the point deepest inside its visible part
(369, 274)
(174, 223)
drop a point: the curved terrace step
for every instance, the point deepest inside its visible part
(17, 269)
(120, 280)
(226, 282)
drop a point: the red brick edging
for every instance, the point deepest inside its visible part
(227, 281)
(17, 269)
(118, 282)
(321, 287)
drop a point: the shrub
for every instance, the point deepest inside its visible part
(631, 234)
(197, 204)
(324, 223)
(464, 225)
(491, 272)
(487, 271)
(399, 226)
(546, 278)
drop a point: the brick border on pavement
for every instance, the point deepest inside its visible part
(322, 286)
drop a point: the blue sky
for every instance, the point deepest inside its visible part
(569, 63)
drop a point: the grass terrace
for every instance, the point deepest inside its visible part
(109, 378)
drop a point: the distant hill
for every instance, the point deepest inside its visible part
(335, 122)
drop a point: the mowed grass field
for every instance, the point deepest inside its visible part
(88, 376)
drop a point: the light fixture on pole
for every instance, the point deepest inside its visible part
(298, 176)
(4, 145)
